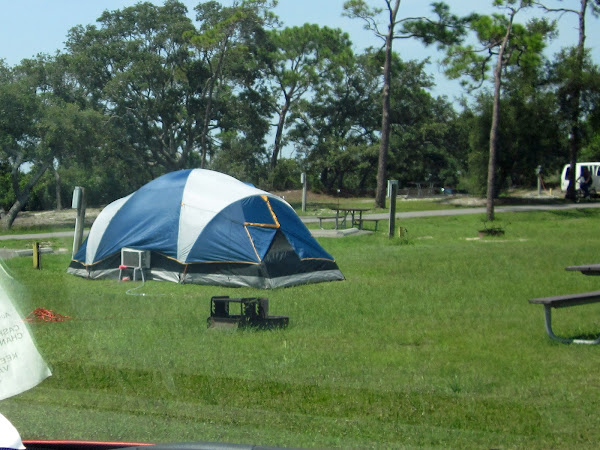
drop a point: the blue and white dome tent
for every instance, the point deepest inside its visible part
(205, 227)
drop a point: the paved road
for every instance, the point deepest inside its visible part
(399, 215)
(478, 210)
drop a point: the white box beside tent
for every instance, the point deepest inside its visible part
(136, 259)
(594, 168)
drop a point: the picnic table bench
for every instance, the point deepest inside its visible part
(565, 301)
(363, 220)
(322, 218)
(588, 269)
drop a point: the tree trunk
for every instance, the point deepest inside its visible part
(385, 112)
(574, 137)
(209, 100)
(491, 184)
(279, 133)
(203, 139)
(22, 197)
(491, 179)
(11, 215)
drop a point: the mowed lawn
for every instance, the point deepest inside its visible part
(430, 342)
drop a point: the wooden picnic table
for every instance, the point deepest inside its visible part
(342, 213)
(564, 301)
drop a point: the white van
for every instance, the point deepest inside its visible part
(594, 168)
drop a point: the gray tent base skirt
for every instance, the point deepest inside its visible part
(215, 279)
(265, 283)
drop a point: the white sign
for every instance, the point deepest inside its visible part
(21, 365)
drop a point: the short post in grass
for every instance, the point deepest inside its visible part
(393, 194)
(78, 203)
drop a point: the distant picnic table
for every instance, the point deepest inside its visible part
(354, 213)
(343, 213)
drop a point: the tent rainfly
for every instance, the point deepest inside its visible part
(206, 227)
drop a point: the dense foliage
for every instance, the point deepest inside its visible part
(147, 89)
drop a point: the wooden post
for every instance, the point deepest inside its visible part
(393, 192)
(37, 262)
(79, 204)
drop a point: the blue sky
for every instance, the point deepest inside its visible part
(29, 27)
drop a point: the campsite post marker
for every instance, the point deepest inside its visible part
(78, 204)
(37, 262)
(303, 181)
(393, 193)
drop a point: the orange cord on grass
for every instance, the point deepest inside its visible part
(44, 315)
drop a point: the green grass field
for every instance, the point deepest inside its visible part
(430, 342)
